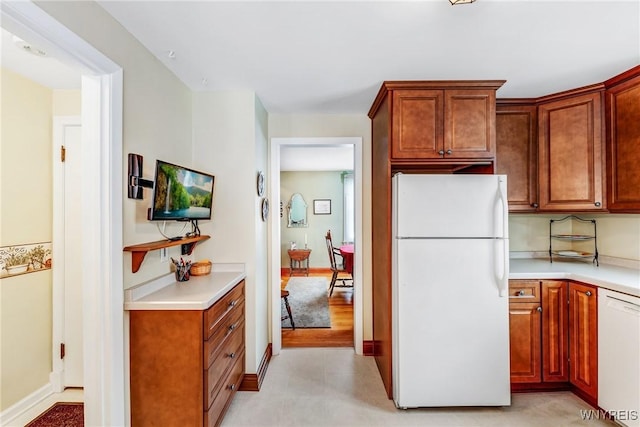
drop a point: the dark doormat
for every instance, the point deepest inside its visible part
(61, 414)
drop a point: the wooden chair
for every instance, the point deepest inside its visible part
(339, 273)
(285, 296)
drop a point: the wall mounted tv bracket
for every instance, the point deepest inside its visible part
(136, 182)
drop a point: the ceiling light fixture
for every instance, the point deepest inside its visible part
(453, 2)
(28, 47)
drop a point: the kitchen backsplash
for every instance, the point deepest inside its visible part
(618, 235)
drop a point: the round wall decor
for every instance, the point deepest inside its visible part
(265, 209)
(260, 184)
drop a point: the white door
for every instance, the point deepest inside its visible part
(68, 248)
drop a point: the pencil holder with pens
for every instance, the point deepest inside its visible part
(182, 270)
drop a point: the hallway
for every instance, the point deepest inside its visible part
(334, 387)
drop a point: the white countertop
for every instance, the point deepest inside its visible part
(612, 277)
(198, 293)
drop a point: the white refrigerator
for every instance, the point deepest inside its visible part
(450, 291)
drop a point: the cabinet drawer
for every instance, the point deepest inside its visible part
(524, 291)
(215, 375)
(213, 416)
(222, 334)
(227, 303)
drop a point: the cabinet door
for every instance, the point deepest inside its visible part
(469, 124)
(417, 124)
(555, 364)
(524, 338)
(623, 145)
(570, 153)
(516, 154)
(583, 333)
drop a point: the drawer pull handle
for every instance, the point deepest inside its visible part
(588, 293)
(233, 303)
(232, 327)
(521, 292)
(232, 355)
(232, 387)
(539, 309)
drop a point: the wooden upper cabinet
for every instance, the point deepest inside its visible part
(570, 163)
(469, 124)
(440, 120)
(516, 152)
(417, 124)
(623, 141)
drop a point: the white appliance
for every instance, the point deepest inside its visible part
(450, 301)
(619, 356)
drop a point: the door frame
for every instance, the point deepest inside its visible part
(103, 296)
(274, 234)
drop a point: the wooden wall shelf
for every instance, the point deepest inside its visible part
(138, 252)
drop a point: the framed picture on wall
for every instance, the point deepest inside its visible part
(322, 207)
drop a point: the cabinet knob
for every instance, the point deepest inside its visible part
(598, 204)
(233, 303)
(441, 152)
(588, 293)
(232, 355)
(449, 151)
(521, 292)
(232, 387)
(534, 205)
(539, 309)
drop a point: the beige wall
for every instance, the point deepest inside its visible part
(618, 234)
(156, 121)
(229, 141)
(67, 102)
(340, 125)
(311, 185)
(25, 217)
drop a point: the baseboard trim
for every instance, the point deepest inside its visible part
(284, 272)
(19, 408)
(367, 348)
(253, 382)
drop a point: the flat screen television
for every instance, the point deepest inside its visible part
(181, 193)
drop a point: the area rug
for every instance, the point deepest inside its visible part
(61, 414)
(309, 301)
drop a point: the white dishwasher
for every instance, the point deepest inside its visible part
(619, 356)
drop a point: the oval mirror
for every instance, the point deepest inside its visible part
(297, 211)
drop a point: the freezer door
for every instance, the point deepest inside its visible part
(450, 326)
(450, 205)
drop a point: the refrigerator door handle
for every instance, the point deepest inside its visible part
(503, 279)
(501, 253)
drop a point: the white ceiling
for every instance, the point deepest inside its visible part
(332, 56)
(45, 70)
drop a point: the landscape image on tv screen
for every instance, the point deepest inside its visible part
(181, 193)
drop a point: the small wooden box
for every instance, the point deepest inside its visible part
(201, 268)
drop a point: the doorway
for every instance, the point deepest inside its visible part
(101, 187)
(277, 144)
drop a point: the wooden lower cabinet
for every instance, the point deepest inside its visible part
(553, 336)
(555, 353)
(583, 340)
(186, 365)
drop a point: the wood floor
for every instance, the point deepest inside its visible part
(341, 310)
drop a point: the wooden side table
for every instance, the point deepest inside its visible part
(299, 261)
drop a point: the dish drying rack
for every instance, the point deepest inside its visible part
(576, 249)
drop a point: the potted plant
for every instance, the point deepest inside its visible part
(38, 257)
(16, 260)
